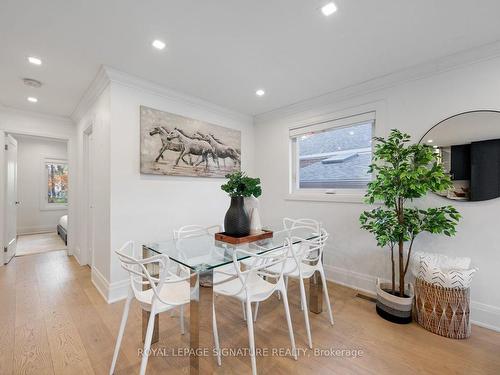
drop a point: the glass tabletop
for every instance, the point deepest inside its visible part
(202, 253)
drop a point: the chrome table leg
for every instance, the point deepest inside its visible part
(201, 359)
(315, 293)
(145, 314)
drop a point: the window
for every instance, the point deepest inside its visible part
(332, 156)
(54, 184)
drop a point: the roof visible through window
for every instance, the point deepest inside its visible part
(336, 158)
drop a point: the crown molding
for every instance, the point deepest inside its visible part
(131, 81)
(95, 89)
(107, 75)
(416, 72)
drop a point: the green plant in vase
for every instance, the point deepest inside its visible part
(239, 186)
(404, 172)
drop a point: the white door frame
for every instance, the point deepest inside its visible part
(9, 244)
(70, 145)
(88, 204)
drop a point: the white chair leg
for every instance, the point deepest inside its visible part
(306, 313)
(216, 334)
(251, 338)
(327, 298)
(244, 313)
(147, 341)
(289, 323)
(120, 333)
(183, 330)
(256, 311)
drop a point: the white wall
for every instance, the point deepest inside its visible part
(36, 124)
(352, 256)
(98, 117)
(131, 206)
(147, 208)
(31, 152)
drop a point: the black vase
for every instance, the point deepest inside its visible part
(236, 221)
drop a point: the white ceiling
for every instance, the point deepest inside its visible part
(222, 51)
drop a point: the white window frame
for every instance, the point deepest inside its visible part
(331, 122)
(44, 202)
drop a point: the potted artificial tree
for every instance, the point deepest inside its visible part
(238, 186)
(403, 172)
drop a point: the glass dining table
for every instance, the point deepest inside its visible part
(203, 255)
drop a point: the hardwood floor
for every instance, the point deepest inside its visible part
(28, 244)
(53, 321)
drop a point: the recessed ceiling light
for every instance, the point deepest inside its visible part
(351, 133)
(158, 44)
(32, 99)
(260, 92)
(35, 60)
(329, 9)
(430, 141)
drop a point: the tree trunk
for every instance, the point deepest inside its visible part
(401, 269)
(393, 271)
(400, 213)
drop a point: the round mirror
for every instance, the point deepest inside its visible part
(468, 145)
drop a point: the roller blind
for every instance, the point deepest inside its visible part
(326, 125)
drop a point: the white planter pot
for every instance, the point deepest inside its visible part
(393, 308)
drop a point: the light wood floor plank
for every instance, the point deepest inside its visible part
(32, 354)
(68, 353)
(7, 328)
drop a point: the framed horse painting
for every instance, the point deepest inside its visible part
(180, 146)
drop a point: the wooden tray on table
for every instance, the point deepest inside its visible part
(262, 235)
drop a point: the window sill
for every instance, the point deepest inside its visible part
(324, 197)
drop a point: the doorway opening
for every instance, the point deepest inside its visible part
(36, 195)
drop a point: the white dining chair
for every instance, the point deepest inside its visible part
(306, 257)
(194, 230)
(166, 291)
(253, 284)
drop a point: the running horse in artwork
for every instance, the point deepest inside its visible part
(166, 143)
(221, 150)
(192, 146)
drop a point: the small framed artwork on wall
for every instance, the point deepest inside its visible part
(180, 146)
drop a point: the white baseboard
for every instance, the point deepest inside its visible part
(36, 229)
(100, 282)
(76, 253)
(483, 315)
(118, 290)
(111, 292)
(486, 316)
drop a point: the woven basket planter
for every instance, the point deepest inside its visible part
(444, 311)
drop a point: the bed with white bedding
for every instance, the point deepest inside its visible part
(62, 228)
